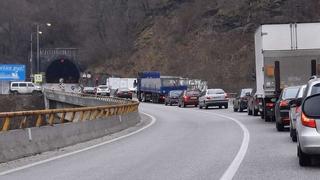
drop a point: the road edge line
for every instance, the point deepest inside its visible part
(153, 120)
(235, 164)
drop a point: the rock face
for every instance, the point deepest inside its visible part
(207, 39)
(211, 39)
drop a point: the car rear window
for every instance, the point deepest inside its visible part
(290, 93)
(14, 84)
(192, 93)
(23, 85)
(311, 106)
(215, 91)
(315, 89)
(175, 93)
(245, 91)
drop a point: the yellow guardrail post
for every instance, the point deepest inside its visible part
(6, 125)
(39, 121)
(51, 119)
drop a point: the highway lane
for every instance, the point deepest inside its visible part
(184, 143)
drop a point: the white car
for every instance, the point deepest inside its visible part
(25, 88)
(103, 90)
(213, 97)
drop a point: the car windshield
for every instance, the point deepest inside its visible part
(123, 90)
(215, 91)
(175, 93)
(192, 93)
(290, 93)
(315, 89)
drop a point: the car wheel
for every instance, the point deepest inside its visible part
(170, 103)
(235, 110)
(240, 109)
(183, 105)
(255, 112)
(293, 134)
(179, 105)
(304, 159)
(196, 105)
(206, 107)
(279, 126)
(220, 107)
(200, 107)
(166, 103)
(226, 106)
(249, 111)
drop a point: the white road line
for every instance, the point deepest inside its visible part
(235, 164)
(153, 120)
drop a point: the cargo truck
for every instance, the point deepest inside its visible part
(151, 87)
(285, 55)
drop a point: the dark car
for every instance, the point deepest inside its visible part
(123, 93)
(241, 101)
(253, 104)
(172, 97)
(282, 107)
(189, 97)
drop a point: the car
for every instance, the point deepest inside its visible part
(172, 97)
(241, 101)
(88, 90)
(25, 88)
(282, 107)
(103, 90)
(294, 112)
(213, 97)
(253, 103)
(189, 97)
(308, 123)
(123, 93)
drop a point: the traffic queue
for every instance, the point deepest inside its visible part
(297, 109)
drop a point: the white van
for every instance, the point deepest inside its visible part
(24, 88)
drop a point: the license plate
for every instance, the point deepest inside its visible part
(193, 98)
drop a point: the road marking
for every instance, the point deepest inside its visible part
(234, 166)
(153, 120)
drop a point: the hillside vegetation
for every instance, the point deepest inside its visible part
(207, 39)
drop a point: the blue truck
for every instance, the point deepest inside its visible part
(152, 87)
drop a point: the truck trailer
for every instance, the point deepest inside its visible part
(285, 55)
(152, 87)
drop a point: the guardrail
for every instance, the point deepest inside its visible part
(37, 118)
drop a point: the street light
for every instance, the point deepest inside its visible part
(38, 48)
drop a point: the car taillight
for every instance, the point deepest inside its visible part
(185, 97)
(307, 121)
(225, 95)
(269, 104)
(298, 109)
(284, 103)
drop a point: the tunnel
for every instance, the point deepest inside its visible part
(62, 68)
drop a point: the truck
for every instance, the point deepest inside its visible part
(115, 83)
(152, 87)
(285, 55)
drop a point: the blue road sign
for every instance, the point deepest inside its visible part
(12, 72)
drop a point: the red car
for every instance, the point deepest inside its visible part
(123, 93)
(189, 97)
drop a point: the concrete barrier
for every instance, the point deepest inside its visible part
(20, 143)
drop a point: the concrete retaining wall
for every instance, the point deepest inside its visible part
(16, 143)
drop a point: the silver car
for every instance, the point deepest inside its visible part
(213, 97)
(308, 123)
(294, 112)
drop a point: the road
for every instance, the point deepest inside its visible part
(184, 143)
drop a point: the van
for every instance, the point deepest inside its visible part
(24, 88)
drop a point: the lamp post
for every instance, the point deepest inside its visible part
(38, 44)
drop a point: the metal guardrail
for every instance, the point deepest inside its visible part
(50, 117)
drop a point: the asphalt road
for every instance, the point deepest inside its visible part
(185, 143)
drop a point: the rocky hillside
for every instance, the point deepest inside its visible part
(207, 39)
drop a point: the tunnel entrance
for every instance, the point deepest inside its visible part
(62, 68)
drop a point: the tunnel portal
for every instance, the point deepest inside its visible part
(62, 68)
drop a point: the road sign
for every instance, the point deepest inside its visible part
(12, 72)
(38, 78)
